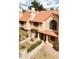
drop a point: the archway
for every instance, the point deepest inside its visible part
(53, 25)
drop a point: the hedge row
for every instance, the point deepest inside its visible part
(33, 46)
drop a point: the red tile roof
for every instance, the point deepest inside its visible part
(25, 16)
(49, 32)
(40, 16)
(43, 15)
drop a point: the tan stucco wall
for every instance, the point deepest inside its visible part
(46, 24)
(57, 20)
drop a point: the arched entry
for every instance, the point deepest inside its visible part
(53, 25)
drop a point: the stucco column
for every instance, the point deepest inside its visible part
(29, 34)
(46, 38)
(38, 36)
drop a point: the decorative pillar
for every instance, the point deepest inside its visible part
(46, 38)
(38, 36)
(29, 30)
(29, 34)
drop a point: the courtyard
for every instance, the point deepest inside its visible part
(43, 51)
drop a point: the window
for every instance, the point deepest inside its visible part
(53, 25)
(22, 22)
(52, 38)
(35, 24)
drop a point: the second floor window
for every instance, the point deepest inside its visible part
(53, 25)
(35, 24)
(22, 22)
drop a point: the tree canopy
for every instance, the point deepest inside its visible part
(37, 6)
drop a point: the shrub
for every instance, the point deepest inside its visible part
(33, 46)
(56, 47)
(22, 47)
(22, 33)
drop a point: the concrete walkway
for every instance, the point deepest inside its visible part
(49, 48)
(46, 52)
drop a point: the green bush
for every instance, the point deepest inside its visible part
(33, 46)
(22, 33)
(22, 47)
(56, 47)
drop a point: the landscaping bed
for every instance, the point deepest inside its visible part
(22, 34)
(24, 45)
(33, 46)
(56, 47)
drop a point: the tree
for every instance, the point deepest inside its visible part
(51, 8)
(37, 6)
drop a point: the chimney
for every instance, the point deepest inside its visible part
(32, 9)
(54, 8)
(33, 13)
